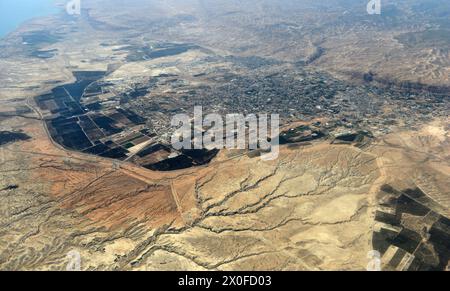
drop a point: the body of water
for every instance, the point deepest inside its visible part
(15, 12)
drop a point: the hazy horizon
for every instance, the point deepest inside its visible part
(15, 12)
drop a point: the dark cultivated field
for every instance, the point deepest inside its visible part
(8, 137)
(430, 247)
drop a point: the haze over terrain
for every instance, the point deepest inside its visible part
(87, 166)
(14, 12)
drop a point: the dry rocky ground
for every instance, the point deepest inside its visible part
(311, 209)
